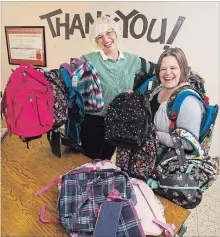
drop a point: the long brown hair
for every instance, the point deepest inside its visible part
(181, 59)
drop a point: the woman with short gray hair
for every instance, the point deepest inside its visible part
(117, 71)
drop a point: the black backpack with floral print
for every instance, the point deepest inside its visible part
(129, 127)
(181, 180)
(54, 77)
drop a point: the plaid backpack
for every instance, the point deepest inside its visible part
(82, 193)
(148, 207)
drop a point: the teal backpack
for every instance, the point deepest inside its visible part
(209, 118)
(76, 112)
(203, 167)
(196, 88)
(200, 158)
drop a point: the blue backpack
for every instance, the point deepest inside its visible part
(198, 165)
(76, 110)
(148, 86)
(145, 82)
(209, 118)
(196, 88)
(75, 116)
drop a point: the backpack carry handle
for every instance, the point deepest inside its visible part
(47, 186)
(179, 151)
(167, 227)
(43, 218)
(114, 195)
(37, 75)
(191, 139)
(58, 180)
(91, 169)
(144, 69)
(95, 161)
(68, 68)
(75, 62)
(26, 65)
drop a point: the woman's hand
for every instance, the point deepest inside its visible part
(129, 91)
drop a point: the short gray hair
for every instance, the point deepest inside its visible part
(101, 25)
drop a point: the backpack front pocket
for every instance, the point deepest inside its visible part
(30, 114)
(42, 109)
(24, 108)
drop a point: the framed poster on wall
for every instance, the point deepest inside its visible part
(26, 44)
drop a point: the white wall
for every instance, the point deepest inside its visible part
(198, 36)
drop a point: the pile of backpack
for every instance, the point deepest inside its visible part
(178, 176)
(98, 199)
(37, 101)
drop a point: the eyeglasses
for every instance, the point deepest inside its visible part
(108, 34)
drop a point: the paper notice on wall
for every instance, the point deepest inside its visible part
(26, 46)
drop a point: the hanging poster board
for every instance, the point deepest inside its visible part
(26, 44)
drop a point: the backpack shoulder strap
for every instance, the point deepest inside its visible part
(210, 118)
(175, 101)
(66, 77)
(152, 68)
(143, 65)
(3, 104)
(144, 69)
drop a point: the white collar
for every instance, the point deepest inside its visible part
(105, 57)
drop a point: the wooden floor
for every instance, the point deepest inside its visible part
(24, 171)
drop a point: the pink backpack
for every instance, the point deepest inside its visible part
(150, 210)
(27, 103)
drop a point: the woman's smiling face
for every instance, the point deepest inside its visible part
(169, 72)
(107, 41)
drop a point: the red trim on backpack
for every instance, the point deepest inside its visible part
(173, 116)
(173, 120)
(206, 100)
(172, 126)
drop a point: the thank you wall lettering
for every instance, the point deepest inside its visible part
(129, 22)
